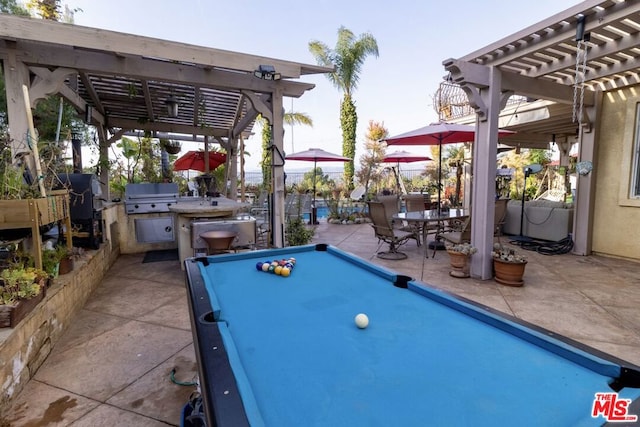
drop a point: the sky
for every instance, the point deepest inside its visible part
(396, 88)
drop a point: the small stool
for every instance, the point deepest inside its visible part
(218, 241)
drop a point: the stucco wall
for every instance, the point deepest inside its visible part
(616, 221)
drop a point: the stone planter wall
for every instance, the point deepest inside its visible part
(24, 348)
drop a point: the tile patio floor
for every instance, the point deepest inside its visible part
(112, 366)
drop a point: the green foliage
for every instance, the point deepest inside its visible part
(137, 161)
(539, 156)
(291, 118)
(343, 210)
(323, 182)
(298, 233)
(11, 7)
(45, 119)
(347, 59)
(12, 185)
(46, 9)
(18, 283)
(50, 261)
(348, 122)
(266, 153)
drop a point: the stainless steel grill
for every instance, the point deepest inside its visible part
(150, 198)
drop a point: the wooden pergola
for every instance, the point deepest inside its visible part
(562, 65)
(122, 82)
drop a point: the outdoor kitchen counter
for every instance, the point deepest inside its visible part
(188, 209)
(203, 208)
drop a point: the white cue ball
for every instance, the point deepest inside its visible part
(362, 321)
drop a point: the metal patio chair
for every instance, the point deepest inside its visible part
(385, 232)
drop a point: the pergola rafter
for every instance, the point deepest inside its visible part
(124, 81)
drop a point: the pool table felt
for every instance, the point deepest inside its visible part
(418, 360)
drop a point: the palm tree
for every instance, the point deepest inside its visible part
(292, 118)
(347, 59)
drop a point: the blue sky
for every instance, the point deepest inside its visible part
(397, 88)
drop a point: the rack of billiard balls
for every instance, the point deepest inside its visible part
(283, 268)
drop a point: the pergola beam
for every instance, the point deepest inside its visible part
(52, 82)
(549, 32)
(97, 104)
(147, 99)
(141, 68)
(166, 127)
(463, 72)
(96, 39)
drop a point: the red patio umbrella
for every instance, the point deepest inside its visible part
(403, 157)
(438, 134)
(194, 160)
(316, 155)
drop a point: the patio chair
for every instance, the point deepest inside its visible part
(296, 205)
(260, 205)
(386, 233)
(414, 202)
(391, 205)
(459, 235)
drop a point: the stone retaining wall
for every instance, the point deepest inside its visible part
(24, 348)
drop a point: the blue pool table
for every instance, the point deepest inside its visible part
(285, 351)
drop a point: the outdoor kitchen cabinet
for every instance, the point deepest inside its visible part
(34, 213)
(218, 209)
(148, 204)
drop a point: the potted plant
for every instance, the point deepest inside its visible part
(65, 257)
(171, 146)
(21, 289)
(297, 233)
(508, 265)
(51, 262)
(459, 255)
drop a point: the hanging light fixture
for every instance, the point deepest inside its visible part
(172, 106)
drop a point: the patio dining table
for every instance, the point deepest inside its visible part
(431, 216)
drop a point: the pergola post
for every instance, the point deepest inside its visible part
(277, 166)
(16, 74)
(232, 173)
(585, 186)
(485, 150)
(103, 161)
(483, 86)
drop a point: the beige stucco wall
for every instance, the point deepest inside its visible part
(616, 221)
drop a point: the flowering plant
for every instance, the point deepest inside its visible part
(462, 248)
(507, 254)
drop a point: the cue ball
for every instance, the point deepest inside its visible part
(362, 321)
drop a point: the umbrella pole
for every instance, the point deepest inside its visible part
(439, 173)
(437, 244)
(314, 212)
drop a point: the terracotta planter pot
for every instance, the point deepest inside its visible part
(509, 273)
(66, 265)
(459, 264)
